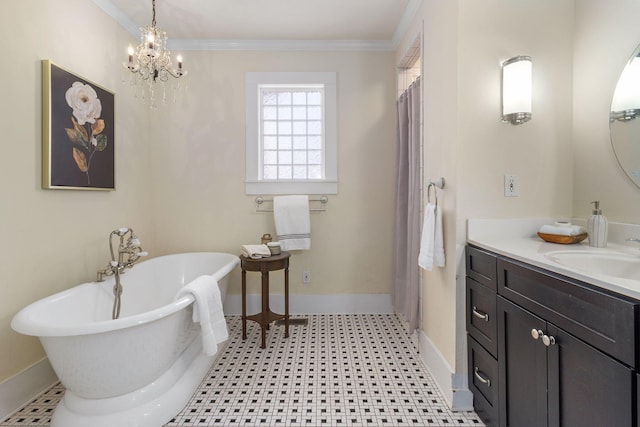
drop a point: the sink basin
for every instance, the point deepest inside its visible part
(607, 263)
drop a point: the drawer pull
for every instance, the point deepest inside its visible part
(537, 333)
(480, 377)
(480, 315)
(548, 340)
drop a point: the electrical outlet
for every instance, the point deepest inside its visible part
(306, 277)
(511, 186)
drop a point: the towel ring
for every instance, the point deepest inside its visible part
(435, 192)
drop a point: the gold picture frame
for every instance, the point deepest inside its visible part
(78, 132)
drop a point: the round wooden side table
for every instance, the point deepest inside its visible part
(266, 316)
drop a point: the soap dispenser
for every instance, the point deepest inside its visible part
(597, 227)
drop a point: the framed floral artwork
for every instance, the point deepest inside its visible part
(78, 129)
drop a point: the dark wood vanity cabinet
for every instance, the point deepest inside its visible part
(564, 383)
(566, 351)
(482, 333)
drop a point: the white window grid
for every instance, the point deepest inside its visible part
(292, 134)
(255, 182)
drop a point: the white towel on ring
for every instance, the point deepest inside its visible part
(293, 226)
(207, 310)
(432, 241)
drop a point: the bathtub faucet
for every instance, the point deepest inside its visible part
(129, 251)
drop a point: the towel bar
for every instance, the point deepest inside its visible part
(323, 200)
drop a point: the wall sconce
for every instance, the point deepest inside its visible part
(516, 90)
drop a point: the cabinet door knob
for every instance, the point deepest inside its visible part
(480, 314)
(480, 377)
(548, 340)
(537, 333)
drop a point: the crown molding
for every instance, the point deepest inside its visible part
(282, 45)
(405, 22)
(119, 16)
(271, 45)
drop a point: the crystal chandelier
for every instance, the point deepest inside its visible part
(150, 64)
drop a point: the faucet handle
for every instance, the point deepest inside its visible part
(633, 239)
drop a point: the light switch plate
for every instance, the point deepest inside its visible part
(511, 186)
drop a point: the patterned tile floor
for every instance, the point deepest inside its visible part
(339, 370)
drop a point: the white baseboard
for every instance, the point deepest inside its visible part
(24, 386)
(315, 304)
(454, 387)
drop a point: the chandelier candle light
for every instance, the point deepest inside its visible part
(150, 63)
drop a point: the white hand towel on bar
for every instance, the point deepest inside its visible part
(432, 242)
(293, 226)
(207, 310)
(255, 251)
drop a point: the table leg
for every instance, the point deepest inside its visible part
(265, 305)
(244, 304)
(286, 302)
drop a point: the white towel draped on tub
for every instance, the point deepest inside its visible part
(293, 226)
(207, 310)
(432, 242)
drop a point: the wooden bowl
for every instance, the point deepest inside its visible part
(564, 240)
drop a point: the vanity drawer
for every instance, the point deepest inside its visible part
(481, 266)
(604, 320)
(481, 315)
(483, 382)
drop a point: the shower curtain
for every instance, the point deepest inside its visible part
(406, 274)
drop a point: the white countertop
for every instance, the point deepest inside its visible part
(517, 239)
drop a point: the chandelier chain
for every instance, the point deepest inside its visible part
(153, 7)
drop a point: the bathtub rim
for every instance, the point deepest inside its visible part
(23, 322)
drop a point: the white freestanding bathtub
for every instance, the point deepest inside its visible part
(140, 369)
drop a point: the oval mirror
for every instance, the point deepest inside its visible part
(624, 121)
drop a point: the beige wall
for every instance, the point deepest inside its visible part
(538, 152)
(53, 239)
(198, 169)
(180, 170)
(563, 157)
(606, 35)
(464, 44)
(438, 21)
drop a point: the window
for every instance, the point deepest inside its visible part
(291, 133)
